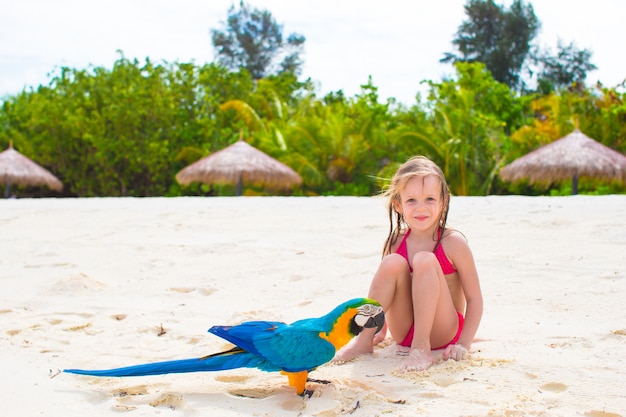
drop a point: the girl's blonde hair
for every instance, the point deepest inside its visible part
(415, 167)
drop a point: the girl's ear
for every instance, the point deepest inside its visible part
(397, 206)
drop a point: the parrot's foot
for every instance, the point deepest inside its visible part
(319, 381)
(307, 393)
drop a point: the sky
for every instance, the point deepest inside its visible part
(396, 42)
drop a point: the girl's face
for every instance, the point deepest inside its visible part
(421, 203)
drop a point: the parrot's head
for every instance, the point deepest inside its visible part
(351, 317)
(369, 315)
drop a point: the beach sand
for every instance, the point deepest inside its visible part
(107, 282)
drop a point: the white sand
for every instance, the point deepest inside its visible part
(99, 283)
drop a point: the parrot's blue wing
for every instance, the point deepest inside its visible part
(243, 335)
(294, 347)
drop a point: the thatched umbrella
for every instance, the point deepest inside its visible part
(573, 156)
(15, 168)
(240, 164)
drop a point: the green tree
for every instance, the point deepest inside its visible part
(468, 134)
(347, 140)
(124, 131)
(252, 39)
(568, 67)
(499, 38)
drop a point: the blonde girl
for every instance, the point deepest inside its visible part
(427, 281)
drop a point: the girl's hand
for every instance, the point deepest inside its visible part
(456, 352)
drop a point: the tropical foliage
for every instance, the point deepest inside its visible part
(127, 131)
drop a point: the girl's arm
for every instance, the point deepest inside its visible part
(462, 258)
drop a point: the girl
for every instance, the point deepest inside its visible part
(427, 281)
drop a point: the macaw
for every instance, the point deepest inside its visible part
(293, 349)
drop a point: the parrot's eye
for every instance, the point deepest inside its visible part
(368, 309)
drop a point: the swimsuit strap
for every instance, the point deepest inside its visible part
(402, 250)
(446, 265)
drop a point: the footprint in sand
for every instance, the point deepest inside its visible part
(202, 290)
(125, 398)
(256, 393)
(79, 327)
(554, 387)
(239, 391)
(77, 284)
(135, 390)
(597, 413)
(168, 399)
(240, 379)
(183, 290)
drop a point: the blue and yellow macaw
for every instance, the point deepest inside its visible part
(293, 349)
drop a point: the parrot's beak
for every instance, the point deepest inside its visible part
(370, 316)
(377, 320)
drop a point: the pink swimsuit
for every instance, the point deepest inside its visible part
(447, 268)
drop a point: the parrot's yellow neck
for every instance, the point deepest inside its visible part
(340, 334)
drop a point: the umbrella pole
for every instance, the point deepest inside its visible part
(575, 184)
(240, 184)
(8, 190)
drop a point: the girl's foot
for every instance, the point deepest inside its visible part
(379, 337)
(351, 351)
(418, 360)
(403, 350)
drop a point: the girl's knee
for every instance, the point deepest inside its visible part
(394, 264)
(393, 271)
(424, 262)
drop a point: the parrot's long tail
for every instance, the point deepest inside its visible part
(231, 359)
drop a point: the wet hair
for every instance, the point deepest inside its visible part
(415, 167)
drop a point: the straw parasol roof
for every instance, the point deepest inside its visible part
(240, 164)
(573, 156)
(15, 168)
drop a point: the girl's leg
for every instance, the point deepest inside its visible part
(434, 315)
(391, 288)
